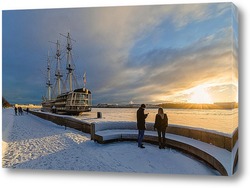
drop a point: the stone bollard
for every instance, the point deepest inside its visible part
(99, 115)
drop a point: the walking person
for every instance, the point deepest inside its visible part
(19, 110)
(141, 116)
(15, 110)
(161, 124)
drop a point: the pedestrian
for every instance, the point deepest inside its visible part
(15, 110)
(141, 116)
(161, 124)
(21, 110)
(53, 109)
(27, 110)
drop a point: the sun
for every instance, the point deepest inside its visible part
(199, 95)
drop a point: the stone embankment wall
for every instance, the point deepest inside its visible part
(66, 121)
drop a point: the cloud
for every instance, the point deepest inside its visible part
(161, 70)
(168, 72)
(106, 44)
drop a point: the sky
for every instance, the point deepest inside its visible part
(131, 54)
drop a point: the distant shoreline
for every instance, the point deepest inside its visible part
(225, 106)
(222, 106)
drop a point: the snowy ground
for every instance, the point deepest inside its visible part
(33, 143)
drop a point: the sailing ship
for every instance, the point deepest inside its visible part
(63, 98)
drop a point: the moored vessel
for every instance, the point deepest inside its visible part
(62, 97)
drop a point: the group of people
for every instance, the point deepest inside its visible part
(161, 124)
(19, 110)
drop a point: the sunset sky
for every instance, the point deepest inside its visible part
(139, 54)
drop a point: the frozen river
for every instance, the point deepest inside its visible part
(224, 121)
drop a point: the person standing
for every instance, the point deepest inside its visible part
(141, 116)
(161, 124)
(53, 109)
(19, 110)
(15, 110)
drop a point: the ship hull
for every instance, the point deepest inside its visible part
(70, 103)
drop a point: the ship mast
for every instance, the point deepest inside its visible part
(69, 65)
(49, 85)
(58, 73)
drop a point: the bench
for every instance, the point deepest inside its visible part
(111, 131)
(221, 159)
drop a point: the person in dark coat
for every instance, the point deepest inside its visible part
(141, 124)
(19, 111)
(161, 124)
(15, 110)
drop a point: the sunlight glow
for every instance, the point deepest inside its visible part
(199, 95)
